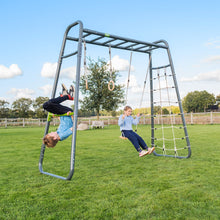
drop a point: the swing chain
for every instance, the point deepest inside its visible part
(145, 81)
(111, 84)
(85, 66)
(129, 70)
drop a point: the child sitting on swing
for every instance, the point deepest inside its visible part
(66, 123)
(125, 122)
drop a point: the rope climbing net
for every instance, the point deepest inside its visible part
(169, 137)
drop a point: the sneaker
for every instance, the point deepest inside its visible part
(72, 91)
(143, 153)
(64, 90)
(150, 150)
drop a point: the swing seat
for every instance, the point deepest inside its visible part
(124, 138)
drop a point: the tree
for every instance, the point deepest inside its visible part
(85, 113)
(197, 101)
(98, 97)
(37, 105)
(140, 111)
(22, 107)
(165, 111)
(4, 110)
(218, 98)
(175, 110)
(157, 109)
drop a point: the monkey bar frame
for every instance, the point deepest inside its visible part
(82, 34)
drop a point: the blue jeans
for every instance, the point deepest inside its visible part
(53, 105)
(135, 139)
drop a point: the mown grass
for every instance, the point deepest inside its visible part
(110, 180)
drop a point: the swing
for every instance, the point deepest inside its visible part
(123, 136)
(129, 70)
(146, 76)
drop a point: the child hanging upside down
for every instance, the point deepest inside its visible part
(66, 123)
(125, 122)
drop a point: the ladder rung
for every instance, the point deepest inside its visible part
(160, 67)
(131, 45)
(85, 35)
(168, 87)
(109, 41)
(69, 55)
(98, 38)
(120, 43)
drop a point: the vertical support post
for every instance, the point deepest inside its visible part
(76, 100)
(178, 98)
(179, 102)
(151, 101)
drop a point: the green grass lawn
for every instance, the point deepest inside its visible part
(110, 180)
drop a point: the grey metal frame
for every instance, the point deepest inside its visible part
(76, 98)
(117, 42)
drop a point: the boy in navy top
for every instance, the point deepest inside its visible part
(125, 122)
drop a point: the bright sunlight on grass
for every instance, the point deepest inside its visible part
(110, 180)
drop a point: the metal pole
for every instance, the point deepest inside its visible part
(178, 97)
(76, 100)
(151, 100)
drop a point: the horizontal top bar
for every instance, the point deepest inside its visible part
(123, 43)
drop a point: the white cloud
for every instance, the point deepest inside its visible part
(47, 89)
(21, 93)
(215, 43)
(69, 72)
(10, 72)
(209, 76)
(49, 71)
(212, 59)
(119, 64)
(133, 84)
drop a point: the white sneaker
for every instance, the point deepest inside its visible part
(143, 153)
(72, 91)
(64, 90)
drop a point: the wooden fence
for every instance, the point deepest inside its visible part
(191, 118)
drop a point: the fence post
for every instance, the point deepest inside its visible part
(211, 118)
(23, 123)
(5, 122)
(191, 118)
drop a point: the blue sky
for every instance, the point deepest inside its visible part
(32, 33)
